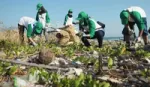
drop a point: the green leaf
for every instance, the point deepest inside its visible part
(110, 62)
(6, 64)
(1, 70)
(12, 70)
(104, 84)
(77, 83)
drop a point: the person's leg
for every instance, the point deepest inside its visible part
(145, 33)
(85, 41)
(21, 33)
(45, 34)
(99, 35)
(127, 35)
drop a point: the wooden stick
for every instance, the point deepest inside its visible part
(34, 65)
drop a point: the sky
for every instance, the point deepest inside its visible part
(106, 11)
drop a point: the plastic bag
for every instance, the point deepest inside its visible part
(18, 82)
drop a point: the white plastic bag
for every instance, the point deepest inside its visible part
(33, 78)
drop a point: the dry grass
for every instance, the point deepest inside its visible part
(13, 36)
(10, 35)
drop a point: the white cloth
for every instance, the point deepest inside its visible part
(69, 21)
(24, 21)
(42, 19)
(138, 9)
(96, 24)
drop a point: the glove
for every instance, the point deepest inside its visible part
(138, 39)
(87, 36)
(80, 34)
(34, 44)
(47, 25)
(58, 30)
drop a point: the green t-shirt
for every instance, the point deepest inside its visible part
(46, 17)
(91, 26)
(30, 30)
(138, 19)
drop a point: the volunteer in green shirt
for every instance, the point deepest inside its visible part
(93, 30)
(131, 16)
(43, 17)
(33, 28)
(69, 18)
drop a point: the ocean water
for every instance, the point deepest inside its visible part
(113, 38)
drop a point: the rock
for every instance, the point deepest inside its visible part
(2, 54)
(147, 47)
(46, 56)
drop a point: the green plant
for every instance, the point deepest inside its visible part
(142, 54)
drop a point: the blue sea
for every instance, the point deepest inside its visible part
(113, 38)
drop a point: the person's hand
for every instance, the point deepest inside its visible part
(138, 39)
(87, 36)
(47, 25)
(58, 30)
(34, 44)
(80, 34)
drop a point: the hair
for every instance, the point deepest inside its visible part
(43, 10)
(70, 15)
(20, 26)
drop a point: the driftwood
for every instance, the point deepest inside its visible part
(34, 65)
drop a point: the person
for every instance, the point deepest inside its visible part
(43, 17)
(32, 26)
(69, 18)
(131, 16)
(93, 28)
(68, 26)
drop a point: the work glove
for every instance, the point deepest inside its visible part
(138, 39)
(34, 44)
(58, 30)
(80, 34)
(47, 25)
(87, 36)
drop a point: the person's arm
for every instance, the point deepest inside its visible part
(37, 17)
(139, 21)
(140, 33)
(92, 28)
(29, 34)
(47, 18)
(66, 18)
(127, 27)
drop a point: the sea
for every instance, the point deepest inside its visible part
(113, 38)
